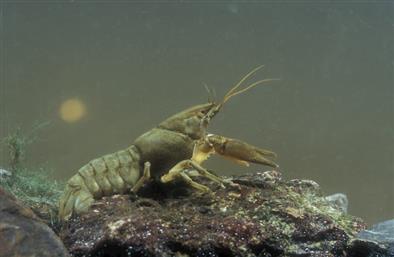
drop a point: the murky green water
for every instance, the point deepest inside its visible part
(330, 118)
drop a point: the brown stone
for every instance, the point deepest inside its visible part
(23, 234)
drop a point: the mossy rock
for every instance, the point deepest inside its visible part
(265, 216)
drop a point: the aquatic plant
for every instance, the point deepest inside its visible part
(31, 185)
(17, 143)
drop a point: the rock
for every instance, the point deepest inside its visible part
(5, 174)
(366, 248)
(265, 216)
(23, 234)
(339, 201)
(376, 241)
(381, 232)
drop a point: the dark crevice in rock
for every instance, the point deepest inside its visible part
(266, 250)
(117, 249)
(180, 248)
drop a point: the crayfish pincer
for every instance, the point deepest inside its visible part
(173, 150)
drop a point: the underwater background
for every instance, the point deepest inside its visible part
(102, 73)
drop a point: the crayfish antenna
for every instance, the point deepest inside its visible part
(233, 91)
(211, 93)
(230, 92)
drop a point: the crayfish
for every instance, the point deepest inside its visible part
(174, 150)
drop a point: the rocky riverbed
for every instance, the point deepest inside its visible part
(265, 216)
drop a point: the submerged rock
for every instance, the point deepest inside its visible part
(339, 200)
(378, 241)
(265, 216)
(5, 174)
(381, 232)
(23, 234)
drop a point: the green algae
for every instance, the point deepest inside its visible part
(31, 185)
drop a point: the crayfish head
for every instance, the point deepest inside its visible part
(192, 121)
(195, 120)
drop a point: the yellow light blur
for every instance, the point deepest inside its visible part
(72, 110)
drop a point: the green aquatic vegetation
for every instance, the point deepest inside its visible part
(17, 143)
(314, 202)
(32, 186)
(36, 190)
(323, 207)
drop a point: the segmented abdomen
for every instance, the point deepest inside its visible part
(111, 174)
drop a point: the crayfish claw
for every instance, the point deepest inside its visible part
(241, 152)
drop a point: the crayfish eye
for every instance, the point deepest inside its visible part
(202, 113)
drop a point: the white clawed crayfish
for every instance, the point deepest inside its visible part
(170, 151)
